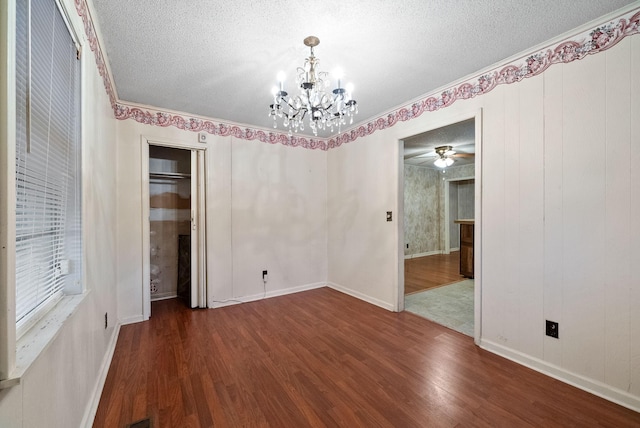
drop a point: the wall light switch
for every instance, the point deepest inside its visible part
(389, 216)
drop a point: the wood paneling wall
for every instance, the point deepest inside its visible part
(560, 202)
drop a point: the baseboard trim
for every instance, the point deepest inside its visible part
(592, 386)
(298, 289)
(429, 253)
(163, 296)
(92, 408)
(131, 320)
(359, 295)
(269, 294)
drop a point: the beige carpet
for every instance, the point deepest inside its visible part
(450, 305)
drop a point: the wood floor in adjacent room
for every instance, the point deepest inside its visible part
(322, 358)
(423, 273)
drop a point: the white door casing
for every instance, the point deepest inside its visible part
(198, 224)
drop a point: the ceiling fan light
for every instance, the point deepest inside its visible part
(440, 163)
(443, 162)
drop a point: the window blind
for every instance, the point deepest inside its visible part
(48, 220)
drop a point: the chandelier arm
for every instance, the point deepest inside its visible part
(289, 104)
(298, 112)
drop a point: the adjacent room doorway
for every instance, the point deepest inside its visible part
(433, 234)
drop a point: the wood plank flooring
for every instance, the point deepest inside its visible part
(422, 273)
(322, 358)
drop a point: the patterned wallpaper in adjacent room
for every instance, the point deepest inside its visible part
(424, 207)
(421, 210)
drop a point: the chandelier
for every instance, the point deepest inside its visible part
(445, 154)
(323, 110)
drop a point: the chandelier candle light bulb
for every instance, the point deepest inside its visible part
(324, 110)
(281, 77)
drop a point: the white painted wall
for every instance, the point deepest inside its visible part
(363, 246)
(266, 210)
(560, 203)
(58, 389)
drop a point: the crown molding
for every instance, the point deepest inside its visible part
(83, 11)
(150, 116)
(589, 39)
(597, 39)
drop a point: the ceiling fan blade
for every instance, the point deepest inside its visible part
(464, 155)
(418, 154)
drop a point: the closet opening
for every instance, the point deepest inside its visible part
(173, 224)
(170, 223)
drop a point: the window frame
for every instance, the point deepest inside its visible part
(59, 152)
(17, 354)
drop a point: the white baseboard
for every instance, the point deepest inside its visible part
(298, 289)
(131, 320)
(595, 387)
(94, 401)
(267, 295)
(429, 253)
(359, 295)
(163, 296)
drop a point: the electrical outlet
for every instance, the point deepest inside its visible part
(407, 246)
(106, 320)
(552, 329)
(389, 216)
(265, 276)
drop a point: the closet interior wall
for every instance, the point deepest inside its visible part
(169, 215)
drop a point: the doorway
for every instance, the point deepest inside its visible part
(173, 218)
(457, 141)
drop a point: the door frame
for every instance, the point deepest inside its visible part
(441, 121)
(200, 195)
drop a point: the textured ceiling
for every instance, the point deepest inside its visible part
(419, 150)
(220, 59)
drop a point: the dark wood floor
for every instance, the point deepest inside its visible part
(427, 272)
(322, 358)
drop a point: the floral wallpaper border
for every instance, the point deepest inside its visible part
(578, 47)
(160, 118)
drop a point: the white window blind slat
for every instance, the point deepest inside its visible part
(48, 200)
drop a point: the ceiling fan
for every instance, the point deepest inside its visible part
(444, 156)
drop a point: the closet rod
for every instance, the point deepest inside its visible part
(169, 175)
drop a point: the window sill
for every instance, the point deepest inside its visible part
(36, 340)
